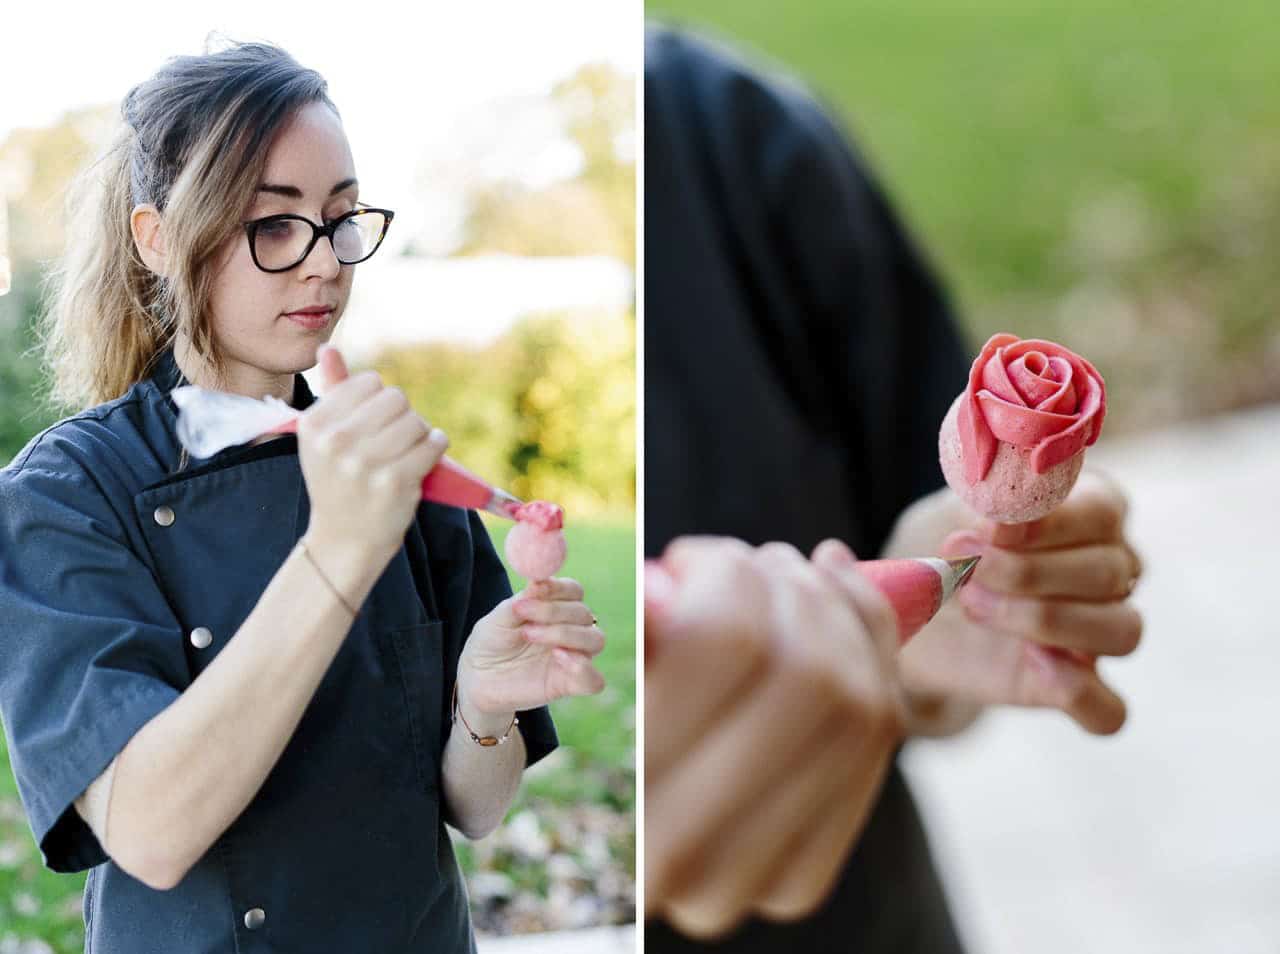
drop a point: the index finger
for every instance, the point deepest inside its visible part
(1093, 513)
(342, 397)
(555, 588)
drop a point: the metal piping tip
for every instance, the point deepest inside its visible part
(504, 504)
(963, 568)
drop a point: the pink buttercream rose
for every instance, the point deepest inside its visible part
(1012, 444)
(535, 546)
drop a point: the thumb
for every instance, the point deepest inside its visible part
(333, 369)
(659, 591)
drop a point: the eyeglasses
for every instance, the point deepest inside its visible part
(281, 242)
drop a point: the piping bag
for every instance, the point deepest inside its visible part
(916, 587)
(212, 420)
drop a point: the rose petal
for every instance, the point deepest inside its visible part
(1050, 379)
(1018, 425)
(978, 444)
(995, 378)
(1066, 444)
(1034, 394)
(1065, 400)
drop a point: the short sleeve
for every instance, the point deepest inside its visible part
(90, 651)
(490, 586)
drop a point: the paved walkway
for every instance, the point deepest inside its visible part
(612, 940)
(1166, 837)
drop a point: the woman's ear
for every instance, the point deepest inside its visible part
(148, 236)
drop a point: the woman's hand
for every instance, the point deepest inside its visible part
(364, 452)
(772, 712)
(1048, 598)
(534, 647)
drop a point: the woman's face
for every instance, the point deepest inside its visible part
(261, 345)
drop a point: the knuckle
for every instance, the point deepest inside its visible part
(1118, 571)
(777, 550)
(1046, 616)
(740, 570)
(1110, 518)
(337, 439)
(1022, 573)
(1075, 695)
(394, 395)
(813, 676)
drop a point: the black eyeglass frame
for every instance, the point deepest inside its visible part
(251, 231)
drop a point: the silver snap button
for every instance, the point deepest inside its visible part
(201, 637)
(163, 516)
(255, 918)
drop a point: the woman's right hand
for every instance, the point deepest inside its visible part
(364, 452)
(773, 710)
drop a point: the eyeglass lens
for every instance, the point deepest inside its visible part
(283, 243)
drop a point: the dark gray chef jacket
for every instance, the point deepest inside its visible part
(111, 557)
(799, 358)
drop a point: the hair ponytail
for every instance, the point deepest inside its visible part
(193, 143)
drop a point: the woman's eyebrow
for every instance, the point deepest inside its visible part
(293, 192)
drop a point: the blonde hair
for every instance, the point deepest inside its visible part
(194, 144)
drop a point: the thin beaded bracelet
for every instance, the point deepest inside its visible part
(310, 559)
(485, 740)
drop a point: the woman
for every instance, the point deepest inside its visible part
(248, 691)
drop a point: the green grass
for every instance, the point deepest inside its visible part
(597, 734)
(1130, 149)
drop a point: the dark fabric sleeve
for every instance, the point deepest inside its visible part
(90, 651)
(859, 325)
(489, 588)
(881, 319)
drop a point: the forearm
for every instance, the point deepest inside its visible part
(190, 772)
(480, 782)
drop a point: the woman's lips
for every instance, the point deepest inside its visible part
(312, 320)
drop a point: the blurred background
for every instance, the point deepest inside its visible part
(1106, 175)
(502, 302)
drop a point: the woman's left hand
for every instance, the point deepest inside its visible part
(535, 646)
(1048, 598)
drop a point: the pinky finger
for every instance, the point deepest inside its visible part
(1073, 685)
(579, 676)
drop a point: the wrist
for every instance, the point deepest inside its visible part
(346, 550)
(347, 569)
(493, 727)
(475, 700)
